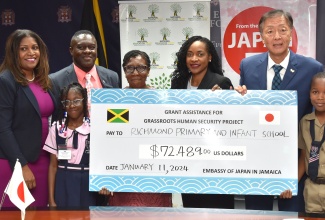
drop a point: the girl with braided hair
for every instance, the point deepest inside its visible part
(68, 143)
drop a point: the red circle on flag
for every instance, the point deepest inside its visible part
(243, 39)
(269, 117)
(20, 192)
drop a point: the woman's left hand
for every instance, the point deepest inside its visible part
(216, 87)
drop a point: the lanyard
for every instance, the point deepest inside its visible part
(313, 162)
(312, 132)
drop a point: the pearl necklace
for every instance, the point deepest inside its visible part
(31, 80)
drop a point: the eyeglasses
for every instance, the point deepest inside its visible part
(67, 103)
(130, 69)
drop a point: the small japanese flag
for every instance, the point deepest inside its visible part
(17, 190)
(269, 117)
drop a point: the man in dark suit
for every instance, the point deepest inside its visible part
(83, 49)
(256, 73)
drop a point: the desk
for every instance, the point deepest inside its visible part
(128, 213)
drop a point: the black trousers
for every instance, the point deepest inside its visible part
(208, 201)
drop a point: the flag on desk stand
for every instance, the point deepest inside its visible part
(17, 190)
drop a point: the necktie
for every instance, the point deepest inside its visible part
(276, 82)
(89, 86)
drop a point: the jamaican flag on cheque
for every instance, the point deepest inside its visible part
(117, 115)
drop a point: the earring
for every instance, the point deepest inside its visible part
(210, 61)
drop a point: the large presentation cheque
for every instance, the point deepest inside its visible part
(194, 141)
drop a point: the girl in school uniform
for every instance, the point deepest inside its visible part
(68, 143)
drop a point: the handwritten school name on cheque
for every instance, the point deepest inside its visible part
(239, 133)
(201, 131)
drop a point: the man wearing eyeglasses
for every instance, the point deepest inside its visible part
(278, 69)
(83, 49)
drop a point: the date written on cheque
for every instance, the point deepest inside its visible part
(146, 167)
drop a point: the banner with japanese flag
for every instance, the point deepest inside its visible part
(17, 190)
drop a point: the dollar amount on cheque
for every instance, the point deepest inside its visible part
(187, 152)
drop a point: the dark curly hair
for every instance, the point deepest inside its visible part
(181, 73)
(64, 93)
(135, 53)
